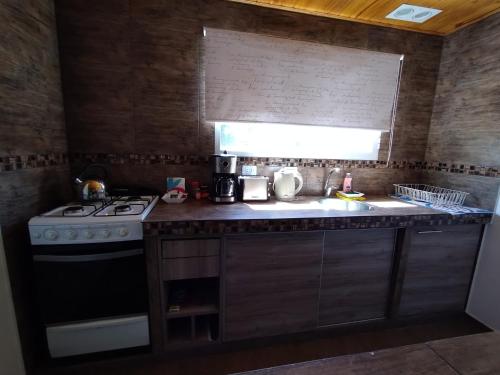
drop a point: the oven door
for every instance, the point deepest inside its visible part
(92, 297)
(91, 281)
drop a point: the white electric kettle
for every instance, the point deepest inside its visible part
(284, 183)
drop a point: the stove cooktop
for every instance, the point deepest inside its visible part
(118, 218)
(114, 206)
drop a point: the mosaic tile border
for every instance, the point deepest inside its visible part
(462, 168)
(20, 162)
(166, 159)
(140, 159)
(220, 227)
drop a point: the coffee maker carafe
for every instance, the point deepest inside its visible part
(224, 179)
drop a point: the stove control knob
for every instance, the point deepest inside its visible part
(105, 233)
(123, 232)
(88, 234)
(71, 234)
(37, 235)
(51, 234)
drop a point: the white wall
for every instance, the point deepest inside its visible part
(484, 300)
(11, 361)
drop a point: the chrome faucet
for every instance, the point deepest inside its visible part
(327, 190)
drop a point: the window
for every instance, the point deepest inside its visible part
(257, 86)
(296, 141)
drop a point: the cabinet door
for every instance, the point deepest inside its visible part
(439, 266)
(356, 275)
(271, 283)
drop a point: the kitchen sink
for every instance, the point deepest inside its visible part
(342, 205)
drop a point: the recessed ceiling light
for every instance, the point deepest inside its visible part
(403, 12)
(412, 13)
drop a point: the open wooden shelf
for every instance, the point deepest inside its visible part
(193, 310)
(192, 330)
(196, 323)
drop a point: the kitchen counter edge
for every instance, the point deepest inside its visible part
(205, 218)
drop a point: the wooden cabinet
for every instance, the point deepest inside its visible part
(271, 283)
(190, 259)
(189, 292)
(190, 268)
(356, 275)
(240, 286)
(437, 267)
(190, 248)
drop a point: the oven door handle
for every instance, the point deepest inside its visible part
(88, 257)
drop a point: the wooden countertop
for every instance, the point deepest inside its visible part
(465, 355)
(204, 210)
(306, 214)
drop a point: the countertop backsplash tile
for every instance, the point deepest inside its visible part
(372, 177)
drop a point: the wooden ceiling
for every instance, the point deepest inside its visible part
(455, 13)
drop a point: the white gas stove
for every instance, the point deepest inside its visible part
(113, 220)
(96, 248)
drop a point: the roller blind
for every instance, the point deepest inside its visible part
(255, 78)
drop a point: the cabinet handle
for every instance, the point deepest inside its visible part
(429, 231)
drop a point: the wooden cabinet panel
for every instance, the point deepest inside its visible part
(356, 275)
(271, 283)
(438, 270)
(190, 268)
(190, 248)
(156, 321)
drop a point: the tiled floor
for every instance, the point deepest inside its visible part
(465, 355)
(278, 353)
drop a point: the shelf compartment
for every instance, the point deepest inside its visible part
(180, 331)
(190, 268)
(192, 297)
(192, 330)
(206, 328)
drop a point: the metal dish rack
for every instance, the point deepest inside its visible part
(431, 194)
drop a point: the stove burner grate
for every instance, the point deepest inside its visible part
(122, 208)
(77, 209)
(135, 198)
(73, 209)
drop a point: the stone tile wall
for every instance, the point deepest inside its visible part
(34, 173)
(465, 128)
(132, 76)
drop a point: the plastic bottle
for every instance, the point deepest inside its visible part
(347, 183)
(195, 189)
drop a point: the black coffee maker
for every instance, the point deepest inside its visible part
(224, 187)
